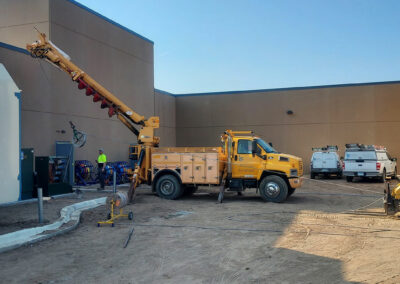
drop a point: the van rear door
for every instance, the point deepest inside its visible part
(324, 160)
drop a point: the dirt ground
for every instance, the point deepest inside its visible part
(13, 218)
(329, 231)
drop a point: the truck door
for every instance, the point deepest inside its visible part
(244, 164)
(389, 162)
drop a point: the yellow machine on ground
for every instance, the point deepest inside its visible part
(244, 160)
(116, 202)
(392, 200)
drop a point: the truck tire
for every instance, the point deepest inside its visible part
(168, 187)
(274, 188)
(312, 176)
(383, 178)
(395, 173)
(349, 179)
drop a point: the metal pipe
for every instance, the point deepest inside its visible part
(40, 204)
(128, 124)
(229, 172)
(114, 181)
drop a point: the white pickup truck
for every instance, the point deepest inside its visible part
(368, 161)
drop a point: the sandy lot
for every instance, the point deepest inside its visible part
(329, 231)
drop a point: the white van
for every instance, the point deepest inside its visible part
(325, 161)
(368, 161)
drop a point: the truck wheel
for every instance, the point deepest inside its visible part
(189, 190)
(274, 189)
(349, 179)
(312, 175)
(383, 179)
(395, 173)
(168, 187)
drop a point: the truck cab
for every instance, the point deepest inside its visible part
(256, 164)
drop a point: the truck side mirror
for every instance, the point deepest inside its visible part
(394, 159)
(254, 147)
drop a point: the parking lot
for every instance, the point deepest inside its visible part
(329, 231)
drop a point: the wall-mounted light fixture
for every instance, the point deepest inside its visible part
(289, 112)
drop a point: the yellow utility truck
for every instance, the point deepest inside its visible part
(243, 161)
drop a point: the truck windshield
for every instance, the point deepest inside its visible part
(267, 148)
(360, 155)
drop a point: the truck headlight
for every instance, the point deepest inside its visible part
(294, 173)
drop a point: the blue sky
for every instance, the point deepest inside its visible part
(221, 45)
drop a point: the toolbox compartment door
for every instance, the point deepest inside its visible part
(187, 168)
(212, 171)
(199, 165)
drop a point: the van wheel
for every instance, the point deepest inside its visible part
(168, 187)
(349, 179)
(274, 189)
(383, 179)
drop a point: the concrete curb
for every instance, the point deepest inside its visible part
(69, 214)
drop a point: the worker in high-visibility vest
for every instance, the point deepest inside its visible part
(101, 162)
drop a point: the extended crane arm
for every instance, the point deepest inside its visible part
(45, 49)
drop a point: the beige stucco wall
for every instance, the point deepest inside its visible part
(338, 115)
(18, 18)
(119, 60)
(165, 109)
